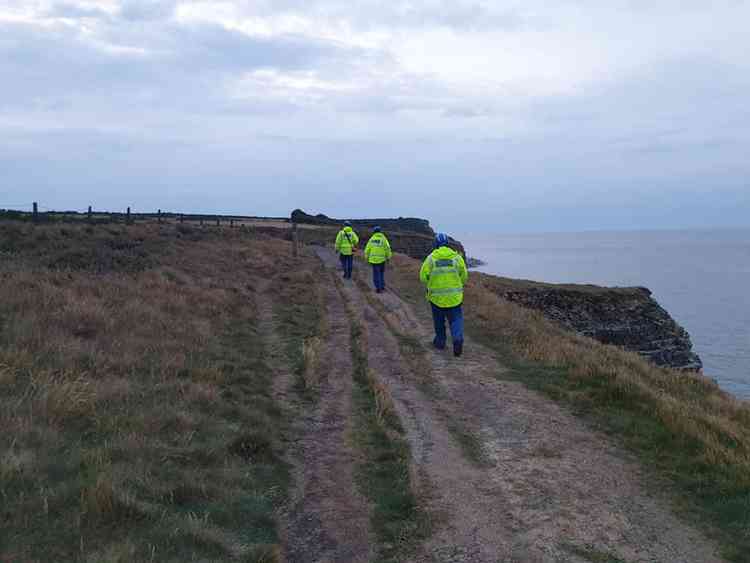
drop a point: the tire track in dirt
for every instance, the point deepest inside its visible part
(468, 516)
(326, 519)
(569, 494)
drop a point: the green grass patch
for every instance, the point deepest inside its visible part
(136, 403)
(299, 306)
(384, 474)
(470, 443)
(592, 554)
(203, 482)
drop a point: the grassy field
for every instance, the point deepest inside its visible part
(139, 422)
(135, 402)
(681, 424)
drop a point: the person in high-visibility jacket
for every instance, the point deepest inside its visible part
(346, 241)
(377, 253)
(444, 273)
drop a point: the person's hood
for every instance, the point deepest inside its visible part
(444, 252)
(348, 230)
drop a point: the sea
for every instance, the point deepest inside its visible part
(702, 277)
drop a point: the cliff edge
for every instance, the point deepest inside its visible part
(628, 317)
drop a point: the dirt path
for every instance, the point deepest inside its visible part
(326, 519)
(471, 522)
(547, 489)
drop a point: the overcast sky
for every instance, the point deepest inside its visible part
(478, 115)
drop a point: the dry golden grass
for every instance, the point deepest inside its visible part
(384, 410)
(384, 407)
(131, 363)
(681, 422)
(311, 350)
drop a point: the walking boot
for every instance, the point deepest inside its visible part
(458, 348)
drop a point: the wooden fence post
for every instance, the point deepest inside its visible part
(231, 223)
(295, 239)
(201, 220)
(35, 214)
(218, 219)
(89, 215)
(159, 215)
(127, 218)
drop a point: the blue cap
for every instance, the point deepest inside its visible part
(347, 223)
(376, 229)
(441, 239)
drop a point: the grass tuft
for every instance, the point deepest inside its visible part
(298, 303)
(311, 348)
(253, 448)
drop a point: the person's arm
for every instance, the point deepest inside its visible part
(426, 270)
(338, 242)
(368, 248)
(388, 252)
(463, 272)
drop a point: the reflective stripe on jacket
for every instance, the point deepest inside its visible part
(444, 273)
(346, 240)
(378, 249)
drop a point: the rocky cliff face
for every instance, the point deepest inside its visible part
(627, 317)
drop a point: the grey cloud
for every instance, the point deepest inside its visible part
(81, 124)
(216, 47)
(145, 10)
(463, 15)
(181, 65)
(465, 111)
(509, 185)
(75, 11)
(677, 105)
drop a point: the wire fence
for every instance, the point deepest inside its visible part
(37, 213)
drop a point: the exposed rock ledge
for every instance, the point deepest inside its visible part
(627, 317)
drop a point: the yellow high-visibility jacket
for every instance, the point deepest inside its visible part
(378, 249)
(444, 273)
(346, 240)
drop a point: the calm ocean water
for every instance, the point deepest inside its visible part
(701, 277)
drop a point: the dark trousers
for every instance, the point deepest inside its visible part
(378, 276)
(455, 318)
(347, 261)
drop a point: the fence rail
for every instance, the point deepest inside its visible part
(40, 214)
